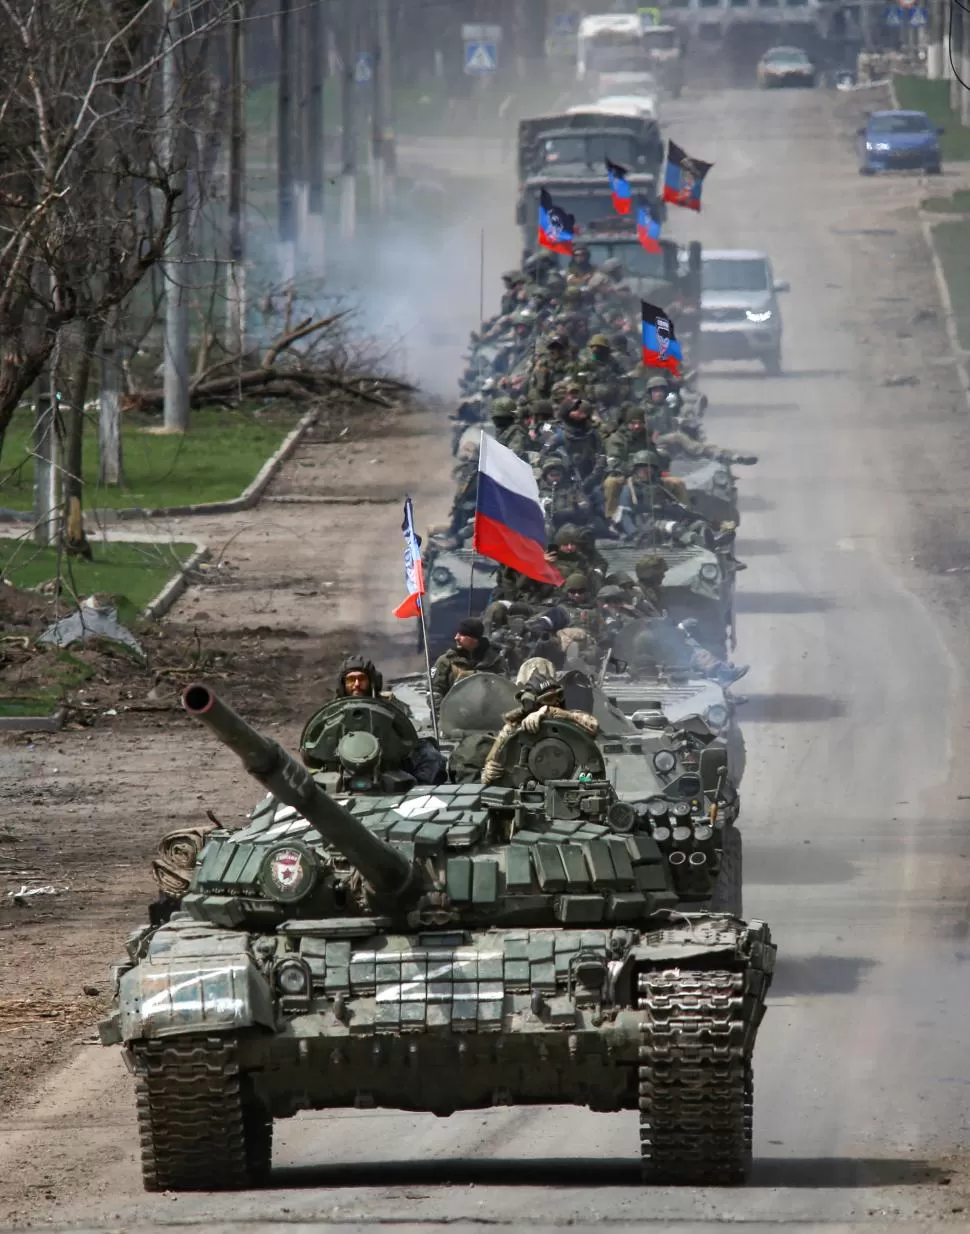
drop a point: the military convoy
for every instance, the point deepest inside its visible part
(476, 898)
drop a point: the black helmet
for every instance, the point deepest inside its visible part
(358, 664)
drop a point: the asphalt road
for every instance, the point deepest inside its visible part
(855, 825)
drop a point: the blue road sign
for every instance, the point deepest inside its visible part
(364, 68)
(919, 17)
(565, 23)
(481, 57)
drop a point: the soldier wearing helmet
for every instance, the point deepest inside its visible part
(541, 698)
(563, 501)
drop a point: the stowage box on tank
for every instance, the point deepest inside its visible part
(444, 948)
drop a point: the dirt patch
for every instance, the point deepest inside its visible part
(284, 599)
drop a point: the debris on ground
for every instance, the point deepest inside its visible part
(97, 617)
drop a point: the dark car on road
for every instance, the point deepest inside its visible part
(899, 141)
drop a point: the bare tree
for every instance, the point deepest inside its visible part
(89, 190)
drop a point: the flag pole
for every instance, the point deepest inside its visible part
(481, 279)
(427, 666)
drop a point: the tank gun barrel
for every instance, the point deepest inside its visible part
(384, 867)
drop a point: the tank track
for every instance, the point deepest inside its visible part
(696, 1092)
(198, 1129)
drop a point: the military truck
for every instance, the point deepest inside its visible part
(444, 948)
(566, 154)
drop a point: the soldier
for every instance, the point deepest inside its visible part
(646, 494)
(503, 413)
(630, 435)
(358, 678)
(472, 653)
(514, 281)
(580, 269)
(571, 556)
(549, 365)
(563, 501)
(463, 506)
(541, 698)
(651, 570)
(581, 442)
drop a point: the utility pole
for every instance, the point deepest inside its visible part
(347, 49)
(176, 350)
(955, 54)
(46, 461)
(313, 143)
(964, 67)
(382, 135)
(236, 282)
(284, 148)
(934, 41)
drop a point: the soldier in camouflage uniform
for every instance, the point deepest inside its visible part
(551, 363)
(645, 495)
(563, 501)
(514, 281)
(472, 653)
(571, 556)
(581, 443)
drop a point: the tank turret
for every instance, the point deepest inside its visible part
(386, 868)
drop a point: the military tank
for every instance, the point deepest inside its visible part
(449, 947)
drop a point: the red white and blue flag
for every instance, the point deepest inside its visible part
(648, 227)
(556, 226)
(413, 569)
(620, 188)
(509, 523)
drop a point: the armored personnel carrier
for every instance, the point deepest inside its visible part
(442, 948)
(712, 488)
(698, 585)
(459, 581)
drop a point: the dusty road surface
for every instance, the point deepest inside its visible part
(856, 530)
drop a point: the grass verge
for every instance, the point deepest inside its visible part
(63, 672)
(956, 203)
(131, 571)
(933, 97)
(219, 456)
(952, 241)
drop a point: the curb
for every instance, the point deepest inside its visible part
(175, 586)
(34, 724)
(248, 498)
(949, 318)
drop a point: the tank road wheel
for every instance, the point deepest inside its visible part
(728, 894)
(695, 1080)
(198, 1131)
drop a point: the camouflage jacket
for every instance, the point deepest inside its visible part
(455, 664)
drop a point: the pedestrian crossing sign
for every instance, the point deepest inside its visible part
(481, 57)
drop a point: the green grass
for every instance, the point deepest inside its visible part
(956, 203)
(214, 461)
(952, 241)
(66, 672)
(933, 97)
(132, 572)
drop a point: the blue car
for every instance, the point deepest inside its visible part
(899, 141)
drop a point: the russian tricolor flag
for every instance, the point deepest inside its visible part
(660, 346)
(556, 226)
(620, 188)
(413, 569)
(509, 524)
(648, 228)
